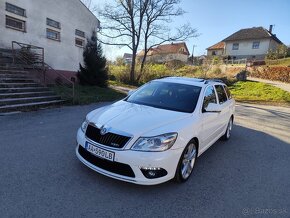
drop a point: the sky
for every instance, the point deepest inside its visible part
(217, 19)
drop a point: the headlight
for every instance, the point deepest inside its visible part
(156, 143)
(84, 125)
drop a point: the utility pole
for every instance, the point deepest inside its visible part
(193, 46)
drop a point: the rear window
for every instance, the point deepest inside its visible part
(221, 93)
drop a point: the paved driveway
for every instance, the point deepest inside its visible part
(41, 177)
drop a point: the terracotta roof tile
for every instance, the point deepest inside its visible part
(172, 48)
(219, 45)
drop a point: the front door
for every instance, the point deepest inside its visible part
(210, 120)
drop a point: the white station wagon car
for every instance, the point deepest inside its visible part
(157, 132)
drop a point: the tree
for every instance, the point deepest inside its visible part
(94, 71)
(133, 23)
(282, 51)
(271, 55)
(158, 14)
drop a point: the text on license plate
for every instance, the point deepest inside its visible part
(102, 153)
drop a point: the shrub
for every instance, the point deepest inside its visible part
(278, 73)
(217, 71)
(187, 70)
(258, 63)
(153, 71)
(119, 73)
(174, 64)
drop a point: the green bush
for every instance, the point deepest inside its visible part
(119, 73)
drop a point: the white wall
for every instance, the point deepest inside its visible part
(167, 57)
(245, 48)
(72, 14)
(218, 52)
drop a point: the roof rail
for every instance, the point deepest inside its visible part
(213, 80)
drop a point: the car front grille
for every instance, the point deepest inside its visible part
(114, 167)
(109, 139)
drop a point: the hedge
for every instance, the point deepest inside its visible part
(278, 73)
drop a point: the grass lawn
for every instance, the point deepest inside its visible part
(117, 83)
(92, 94)
(279, 62)
(255, 92)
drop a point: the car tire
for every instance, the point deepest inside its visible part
(227, 134)
(186, 163)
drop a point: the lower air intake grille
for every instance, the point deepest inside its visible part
(114, 167)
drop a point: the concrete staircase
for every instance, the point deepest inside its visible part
(20, 90)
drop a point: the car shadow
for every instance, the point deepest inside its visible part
(251, 169)
(245, 152)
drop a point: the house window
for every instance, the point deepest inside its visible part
(181, 50)
(15, 10)
(51, 34)
(53, 23)
(79, 42)
(213, 53)
(235, 46)
(14, 23)
(80, 33)
(256, 45)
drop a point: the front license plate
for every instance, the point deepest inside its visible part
(102, 153)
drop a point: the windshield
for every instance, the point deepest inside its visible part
(169, 96)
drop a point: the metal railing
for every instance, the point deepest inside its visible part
(32, 57)
(236, 61)
(34, 54)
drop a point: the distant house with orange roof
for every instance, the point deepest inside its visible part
(166, 52)
(217, 49)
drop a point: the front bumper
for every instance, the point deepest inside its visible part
(167, 160)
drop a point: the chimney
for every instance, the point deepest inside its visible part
(271, 28)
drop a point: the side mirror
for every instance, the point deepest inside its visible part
(131, 92)
(213, 108)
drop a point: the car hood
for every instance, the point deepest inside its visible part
(133, 118)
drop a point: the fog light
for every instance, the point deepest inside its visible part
(153, 172)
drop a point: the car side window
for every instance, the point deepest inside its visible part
(209, 97)
(228, 92)
(221, 93)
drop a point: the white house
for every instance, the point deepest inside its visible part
(250, 43)
(60, 27)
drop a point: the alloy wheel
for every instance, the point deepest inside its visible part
(188, 161)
